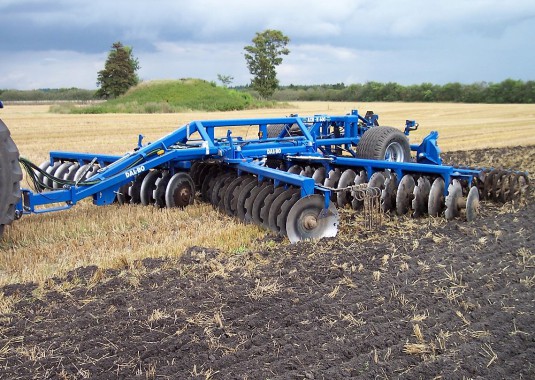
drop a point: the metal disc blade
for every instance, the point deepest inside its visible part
(223, 191)
(180, 191)
(218, 183)
(199, 173)
(229, 191)
(497, 185)
(509, 187)
(285, 209)
(404, 194)
(236, 193)
(259, 203)
(435, 203)
(80, 172)
(44, 165)
(60, 173)
(245, 192)
(148, 186)
(421, 197)
(51, 170)
(134, 191)
(161, 187)
(332, 181)
(319, 175)
(377, 180)
(523, 186)
(207, 170)
(307, 221)
(388, 195)
(346, 179)
(250, 200)
(93, 170)
(123, 196)
(513, 187)
(264, 212)
(472, 204)
(208, 182)
(295, 169)
(487, 185)
(193, 170)
(308, 171)
(333, 178)
(455, 191)
(69, 176)
(275, 208)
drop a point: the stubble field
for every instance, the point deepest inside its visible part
(194, 294)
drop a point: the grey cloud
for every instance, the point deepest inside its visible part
(332, 41)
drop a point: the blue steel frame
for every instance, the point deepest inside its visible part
(177, 150)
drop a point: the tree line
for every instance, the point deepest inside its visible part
(507, 91)
(48, 94)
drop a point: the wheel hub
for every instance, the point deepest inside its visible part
(310, 222)
(394, 152)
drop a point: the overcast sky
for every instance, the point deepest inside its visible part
(64, 43)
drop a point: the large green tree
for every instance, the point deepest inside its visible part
(119, 73)
(263, 56)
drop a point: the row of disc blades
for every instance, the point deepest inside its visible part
(502, 185)
(421, 194)
(283, 210)
(417, 194)
(67, 171)
(280, 209)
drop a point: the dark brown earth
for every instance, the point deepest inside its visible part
(414, 299)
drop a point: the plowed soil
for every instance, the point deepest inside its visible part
(413, 299)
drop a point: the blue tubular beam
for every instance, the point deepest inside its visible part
(112, 183)
(337, 141)
(305, 183)
(83, 158)
(30, 201)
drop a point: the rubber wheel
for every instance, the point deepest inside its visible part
(274, 130)
(384, 143)
(10, 177)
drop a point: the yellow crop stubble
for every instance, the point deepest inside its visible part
(40, 246)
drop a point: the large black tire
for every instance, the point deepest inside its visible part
(274, 130)
(384, 143)
(10, 177)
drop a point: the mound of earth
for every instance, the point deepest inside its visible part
(413, 299)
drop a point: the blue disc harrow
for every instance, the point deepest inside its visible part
(290, 178)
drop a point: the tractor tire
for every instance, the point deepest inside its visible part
(10, 177)
(274, 130)
(384, 143)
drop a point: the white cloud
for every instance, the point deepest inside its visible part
(53, 43)
(50, 69)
